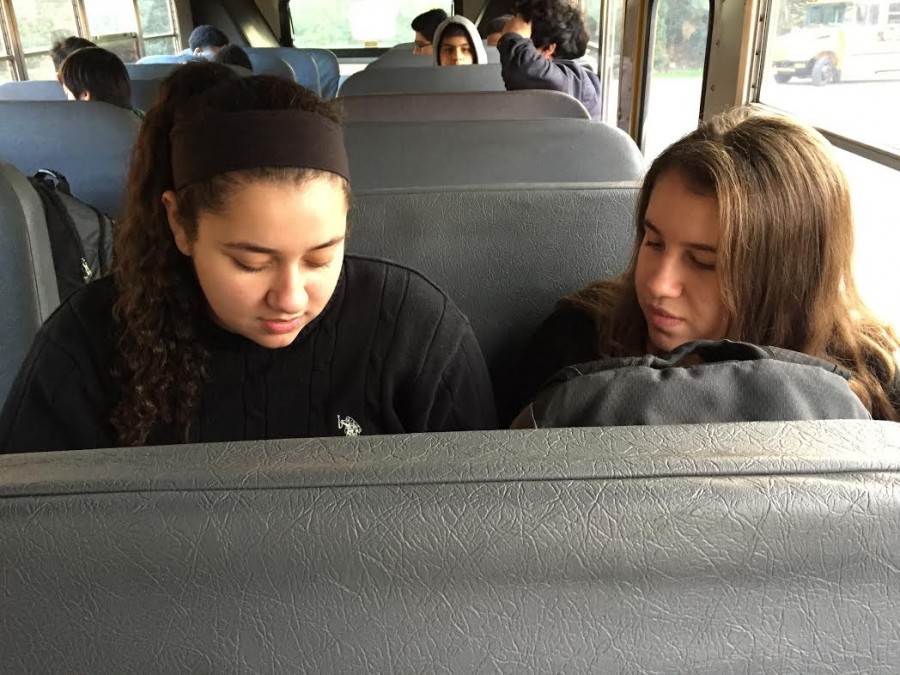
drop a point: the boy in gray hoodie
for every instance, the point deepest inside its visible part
(457, 43)
(538, 48)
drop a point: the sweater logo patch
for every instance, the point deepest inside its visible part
(349, 425)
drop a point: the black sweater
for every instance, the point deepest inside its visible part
(389, 354)
(522, 67)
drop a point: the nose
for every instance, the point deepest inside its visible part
(288, 294)
(665, 279)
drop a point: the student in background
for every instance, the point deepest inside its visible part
(61, 49)
(495, 29)
(232, 312)
(424, 26)
(205, 41)
(538, 49)
(234, 56)
(95, 74)
(744, 231)
(457, 43)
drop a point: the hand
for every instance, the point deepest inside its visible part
(518, 25)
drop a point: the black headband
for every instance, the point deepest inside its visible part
(218, 143)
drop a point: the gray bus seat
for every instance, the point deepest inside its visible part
(265, 63)
(404, 58)
(32, 90)
(151, 71)
(423, 80)
(27, 279)
(144, 93)
(88, 142)
(478, 105)
(302, 64)
(489, 151)
(733, 548)
(505, 254)
(168, 58)
(329, 70)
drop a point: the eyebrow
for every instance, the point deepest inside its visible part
(255, 248)
(690, 244)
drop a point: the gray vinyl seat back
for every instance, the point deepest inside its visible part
(168, 58)
(328, 68)
(28, 291)
(423, 80)
(477, 152)
(404, 58)
(32, 90)
(151, 71)
(266, 63)
(481, 105)
(504, 253)
(144, 93)
(733, 548)
(88, 142)
(303, 65)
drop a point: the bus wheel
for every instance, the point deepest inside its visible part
(782, 78)
(823, 71)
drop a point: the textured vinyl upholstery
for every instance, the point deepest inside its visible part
(329, 70)
(477, 105)
(153, 71)
(28, 291)
(423, 80)
(32, 90)
(743, 548)
(505, 254)
(303, 65)
(144, 93)
(266, 63)
(90, 143)
(478, 152)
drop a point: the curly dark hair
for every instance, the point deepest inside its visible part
(162, 355)
(557, 22)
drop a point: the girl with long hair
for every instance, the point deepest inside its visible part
(743, 231)
(232, 312)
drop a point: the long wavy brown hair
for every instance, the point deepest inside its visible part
(785, 251)
(162, 356)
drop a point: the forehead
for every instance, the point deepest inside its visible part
(455, 41)
(680, 213)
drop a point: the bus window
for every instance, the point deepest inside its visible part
(7, 73)
(342, 24)
(158, 27)
(675, 83)
(40, 22)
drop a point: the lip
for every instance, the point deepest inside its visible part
(280, 326)
(661, 319)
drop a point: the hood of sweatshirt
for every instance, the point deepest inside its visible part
(480, 55)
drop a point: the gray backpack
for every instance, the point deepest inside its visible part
(735, 382)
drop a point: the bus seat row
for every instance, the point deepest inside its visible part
(728, 548)
(27, 279)
(404, 154)
(89, 143)
(455, 106)
(423, 80)
(402, 56)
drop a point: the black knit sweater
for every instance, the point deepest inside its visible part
(389, 354)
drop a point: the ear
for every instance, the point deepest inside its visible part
(179, 234)
(85, 96)
(548, 51)
(197, 51)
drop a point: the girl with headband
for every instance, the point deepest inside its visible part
(232, 312)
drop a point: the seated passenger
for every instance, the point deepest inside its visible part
(457, 43)
(424, 26)
(538, 49)
(205, 41)
(234, 56)
(495, 29)
(232, 311)
(95, 74)
(744, 231)
(61, 49)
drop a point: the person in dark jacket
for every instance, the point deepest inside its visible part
(538, 48)
(233, 312)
